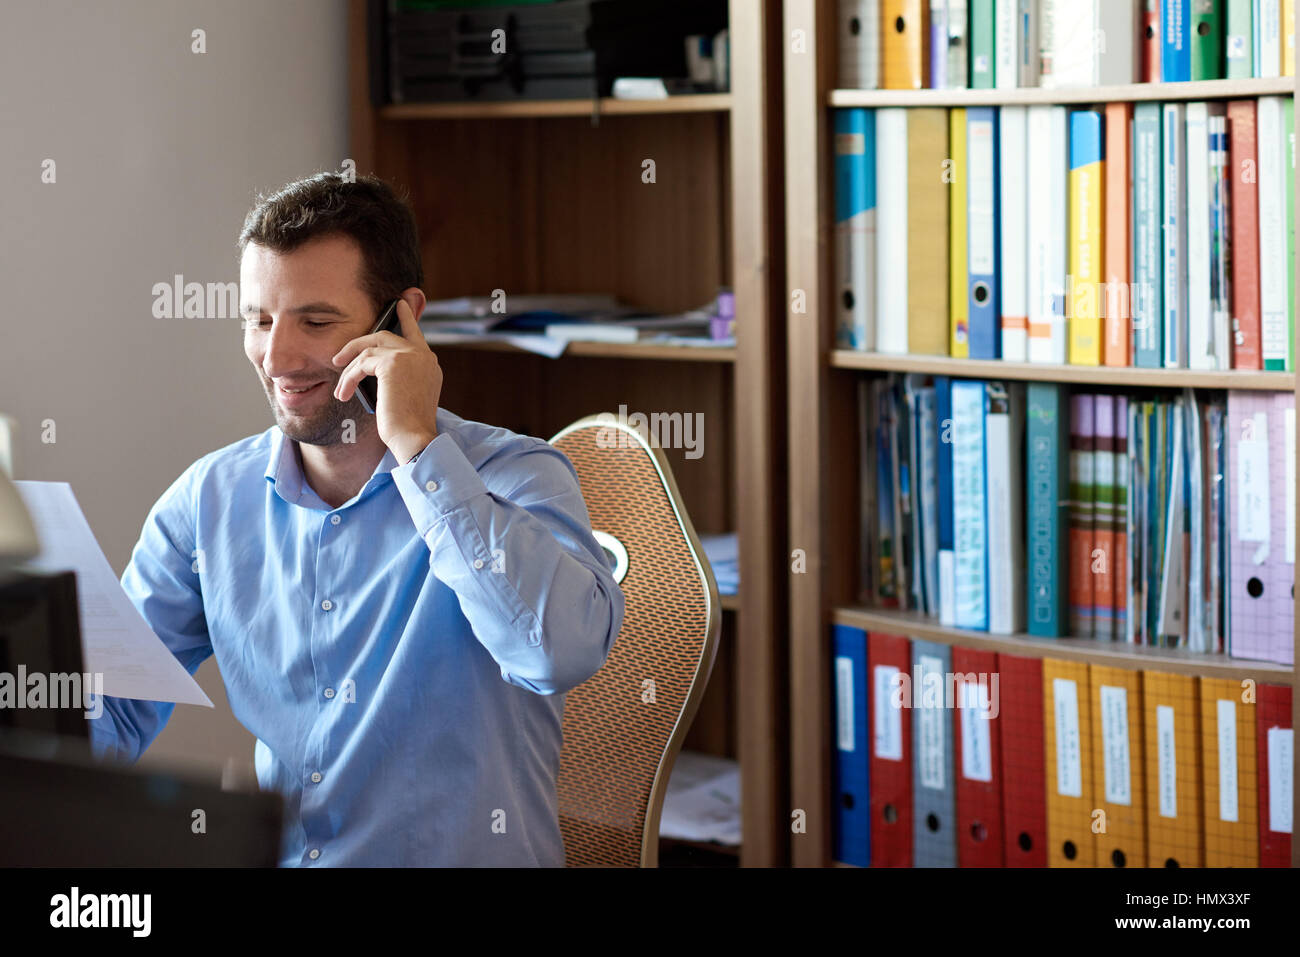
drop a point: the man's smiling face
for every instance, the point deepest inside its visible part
(299, 309)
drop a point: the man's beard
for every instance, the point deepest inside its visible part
(322, 425)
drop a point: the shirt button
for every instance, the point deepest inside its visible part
(431, 486)
(334, 519)
(327, 604)
(478, 563)
(329, 692)
(315, 777)
(313, 853)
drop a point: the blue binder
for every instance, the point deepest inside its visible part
(851, 833)
(982, 247)
(1175, 41)
(947, 567)
(970, 518)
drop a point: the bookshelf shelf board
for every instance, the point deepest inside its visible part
(605, 106)
(608, 350)
(1042, 372)
(729, 602)
(1193, 90)
(1111, 654)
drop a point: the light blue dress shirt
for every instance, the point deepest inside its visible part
(402, 659)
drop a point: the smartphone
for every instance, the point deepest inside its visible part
(368, 388)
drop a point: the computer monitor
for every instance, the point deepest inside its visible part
(40, 641)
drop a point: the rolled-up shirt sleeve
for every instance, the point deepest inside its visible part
(513, 540)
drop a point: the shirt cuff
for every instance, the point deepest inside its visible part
(439, 481)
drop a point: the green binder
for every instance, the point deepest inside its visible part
(1207, 39)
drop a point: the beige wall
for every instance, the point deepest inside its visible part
(159, 152)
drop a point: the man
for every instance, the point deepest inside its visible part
(398, 601)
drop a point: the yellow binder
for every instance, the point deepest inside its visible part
(927, 228)
(904, 43)
(1231, 788)
(1067, 740)
(1117, 771)
(1171, 711)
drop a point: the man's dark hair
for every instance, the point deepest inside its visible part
(326, 204)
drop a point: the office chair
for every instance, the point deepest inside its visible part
(624, 727)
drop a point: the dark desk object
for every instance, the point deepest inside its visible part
(40, 629)
(60, 808)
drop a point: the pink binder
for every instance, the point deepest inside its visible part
(1261, 578)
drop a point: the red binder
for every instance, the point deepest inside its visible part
(1272, 710)
(1150, 40)
(1024, 788)
(1243, 222)
(977, 754)
(891, 754)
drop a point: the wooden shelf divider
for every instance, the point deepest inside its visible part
(1119, 376)
(608, 350)
(1192, 90)
(524, 109)
(913, 624)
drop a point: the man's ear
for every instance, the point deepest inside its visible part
(414, 297)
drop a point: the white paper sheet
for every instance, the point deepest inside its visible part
(703, 800)
(529, 342)
(116, 641)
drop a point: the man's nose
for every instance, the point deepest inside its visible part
(283, 355)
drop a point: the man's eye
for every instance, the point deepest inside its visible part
(259, 323)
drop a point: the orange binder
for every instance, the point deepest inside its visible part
(1228, 757)
(904, 43)
(1117, 771)
(1171, 728)
(1117, 324)
(1067, 733)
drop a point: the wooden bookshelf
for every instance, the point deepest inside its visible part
(824, 425)
(603, 106)
(535, 197)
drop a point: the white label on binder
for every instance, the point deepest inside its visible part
(844, 702)
(981, 203)
(1114, 739)
(1253, 513)
(1227, 712)
(1289, 459)
(1069, 774)
(888, 719)
(1167, 758)
(1280, 781)
(976, 758)
(930, 729)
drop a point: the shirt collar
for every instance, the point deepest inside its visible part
(284, 470)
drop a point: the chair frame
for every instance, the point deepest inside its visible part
(709, 650)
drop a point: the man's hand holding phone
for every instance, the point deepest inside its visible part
(409, 382)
